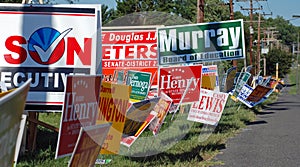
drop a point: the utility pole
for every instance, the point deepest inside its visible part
(258, 46)
(297, 72)
(251, 26)
(200, 11)
(234, 62)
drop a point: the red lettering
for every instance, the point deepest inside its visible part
(84, 55)
(202, 102)
(141, 51)
(9, 44)
(129, 52)
(153, 50)
(106, 52)
(117, 48)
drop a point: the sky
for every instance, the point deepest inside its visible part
(286, 8)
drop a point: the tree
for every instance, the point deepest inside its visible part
(187, 9)
(10, 1)
(284, 60)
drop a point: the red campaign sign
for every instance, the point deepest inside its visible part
(128, 37)
(80, 110)
(129, 50)
(173, 81)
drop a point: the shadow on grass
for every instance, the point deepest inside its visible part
(171, 159)
(46, 142)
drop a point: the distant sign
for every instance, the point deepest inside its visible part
(201, 42)
(210, 79)
(258, 93)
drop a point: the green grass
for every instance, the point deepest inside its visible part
(180, 142)
(292, 77)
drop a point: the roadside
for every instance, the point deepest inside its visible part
(273, 139)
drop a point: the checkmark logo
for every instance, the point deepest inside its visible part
(47, 45)
(46, 54)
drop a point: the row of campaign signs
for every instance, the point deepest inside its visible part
(114, 83)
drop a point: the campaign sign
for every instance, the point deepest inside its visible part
(241, 81)
(258, 93)
(162, 108)
(47, 43)
(229, 83)
(113, 103)
(80, 110)
(204, 42)
(243, 95)
(138, 117)
(246, 92)
(209, 108)
(140, 84)
(127, 49)
(210, 79)
(174, 80)
(88, 145)
(11, 110)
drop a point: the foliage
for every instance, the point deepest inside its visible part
(10, 1)
(286, 32)
(284, 60)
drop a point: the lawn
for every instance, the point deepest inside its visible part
(179, 143)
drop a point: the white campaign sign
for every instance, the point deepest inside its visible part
(46, 43)
(209, 108)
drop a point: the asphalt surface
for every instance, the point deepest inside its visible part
(273, 140)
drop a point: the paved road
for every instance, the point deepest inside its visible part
(273, 140)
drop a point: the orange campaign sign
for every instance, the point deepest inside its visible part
(129, 50)
(113, 103)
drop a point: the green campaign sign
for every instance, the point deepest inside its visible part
(201, 42)
(140, 83)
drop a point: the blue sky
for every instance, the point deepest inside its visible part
(285, 8)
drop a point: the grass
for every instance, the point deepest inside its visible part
(179, 143)
(292, 77)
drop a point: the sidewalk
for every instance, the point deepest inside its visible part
(273, 140)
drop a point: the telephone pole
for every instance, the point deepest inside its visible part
(200, 11)
(258, 46)
(251, 9)
(234, 62)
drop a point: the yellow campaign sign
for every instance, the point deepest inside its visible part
(113, 102)
(208, 82)
(209, 77)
